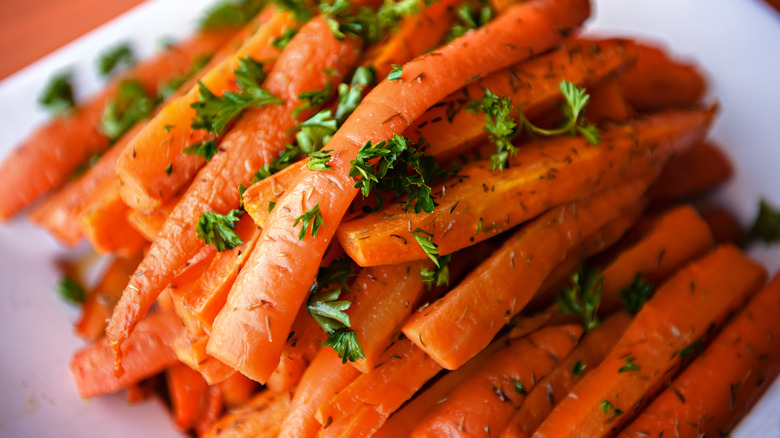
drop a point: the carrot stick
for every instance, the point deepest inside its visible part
(190, 349)
(458, 326)
(656, 81)
(299, 350)
(608, 104)
(692, 173)
(724, 226)
(480, 203)
(252, 341)
(150, 224)
(145, 185)
(103, 221)
(325, 377)
(49, 156)
(540, 401)
(719, 387)
(211, 411)
(260, 418)
(256, 138)
(363, 406)
(450, 129)
(237, 390)
(147, 352)
(484, 403)
(189, 395)
(677, 315)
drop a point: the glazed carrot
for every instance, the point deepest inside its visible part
(540, 401)
(298, 352)
(719, 387)
(145, 185)
(324, 378)
(150, 224)
(184, 280)
(211, 412)
(49, 156)
(147, 352)
(189, 395)
(101, 299)
(656, 81)
(450, 129)
(252, 341)
(103, 221)
(256, 139)
(480, 203)
(260, 418)
(486, 400)
(190, 349)
(692, 173)
(608, 104)
(724, 226)
(679, 313)
(363, 406)
(237, 390)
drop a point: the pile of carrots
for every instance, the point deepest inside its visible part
(569, 290)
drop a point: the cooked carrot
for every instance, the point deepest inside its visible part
(260, 418)
(532, 85)
(480, 203)
(300, 349)
(147, 352)
(258, 196)
(540, 401)
(679, 313)
(325, 377)
(189, 395)
(256, 139)
(101, 299)
(145, 185)
(211, 412)
(237, 390)
(692, 173)
(719, 387)
(484, 403)
(656, 81)
(49, 156)
(251, 341)
(150, 224)
(608, 104)
(363, 406)
(190, 349)
(724, 226)
(103, 221)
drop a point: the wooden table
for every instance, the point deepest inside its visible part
(31, 29)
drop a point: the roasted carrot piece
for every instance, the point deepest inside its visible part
(485, 402)
(190, 349)
(148, 351)
(150, 224)
(692, 173)
(189, 395)
(648, 354)
(211, 412)
(455, 328)
(532, 85)
(56, 149)
(608, 104)
(103, 221)
(301, 348)
(255, 139)
(260, 418)
(540, 401)
(724, 226)
(479, 203)
(145, 185)
(237, 390)
(325, 377)
(252, 340)
(656, 81)
(719, 387)
(363, 406)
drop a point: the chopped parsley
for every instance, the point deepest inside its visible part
(351, 95)
(299, 9)
(229, 13)
(607, 407)
(57, 95)
(694, 349)
(468, 16)
(629, 365)
(519, 388)
(219, 230)
(111, 60)
(130, 105)
(344, 342)
(318, 160)
(310, 219)
(440, 275)
(70, 291)
(636, 294)
(205, 149)
(315, 132)
(396, 73)
(342, 18)
(583, 296)
(424, 239)
(313, 98)
(282, 40)
(578, 368)
(767, 224)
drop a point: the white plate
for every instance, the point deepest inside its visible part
(735, 42)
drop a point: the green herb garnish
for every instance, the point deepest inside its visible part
(130, 105)
(57, 95)
(219, 230)
(311, 218)
(111, 60)
(583, 296)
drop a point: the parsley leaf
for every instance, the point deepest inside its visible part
(318, 160)
(313, 98)
(500, 125)
(339, 272)
(693, 349)
(217, 229)
(519, 388)
(230, 14)
(213, 113)
(579, 367)
(629, 365)
(327, 310)
(636, 295)
(57, 95)
(345, 342)
(439, 276)
(205, 149)
(351, 95)
(175, 82)
(470, 16)
(282, 40)
(298, 8)
(70, 291)
(130, 105)
(396, 73)
(364, 22)
(767, 225)
(583, 296)
(315, 132)
(576, 99)
(312, 218)
(109, 61)
(423, 239)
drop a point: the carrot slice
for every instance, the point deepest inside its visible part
(237, 390)
(301, 348)
(692, 173)
(724, 225)
(260, 418)
(189, 395)
(719, 387)
(677, 315)
(251, 341)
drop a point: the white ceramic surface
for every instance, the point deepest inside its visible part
(735, 42)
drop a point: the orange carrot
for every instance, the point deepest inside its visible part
(260, 418)
(325, 377)
(237, 390)
(719, 387)
(299, 350)
(677, 315)
(211, 411)
(692, 173)
(189, 395)
(608, 104)
(251, 341)
(103, 221)
(724, 226)
(48, 157)
(540, 401)
(141, 169)
(319, 59)
(147, 352)
(484, 403)
(150, 224)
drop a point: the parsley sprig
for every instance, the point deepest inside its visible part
(438, 276)
(767, 224)
(70, 291)
(468, 16)
(313, 98)
(500, 126)
(311, 219)
(350, 95)
(219, 230)
(425, 240)
(112, 59)
(371, 25)
(576, 99)
(213, 113)
(206, 149)
(229, 13)
(636, 294)
(583, 296)
(57, 95)
(130, 105)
